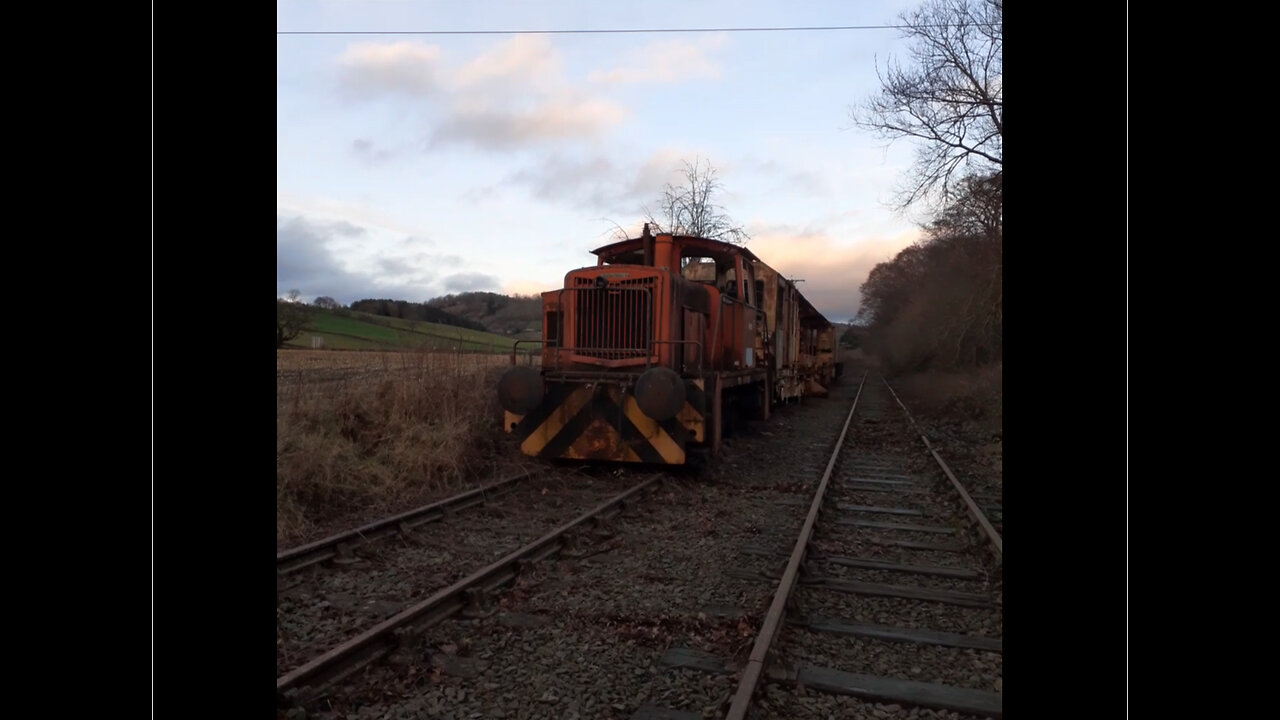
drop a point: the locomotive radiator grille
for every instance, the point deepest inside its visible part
(613, 322)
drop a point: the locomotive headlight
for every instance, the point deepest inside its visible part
(520, 390)
(660, 393)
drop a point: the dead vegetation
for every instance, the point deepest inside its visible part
(963, 411)
(973, 398)
(395, 427)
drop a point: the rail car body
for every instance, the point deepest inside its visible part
(653, 353)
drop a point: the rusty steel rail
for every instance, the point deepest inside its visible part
(773, 620)
(974, 510)
(302, 683)
(294, 559)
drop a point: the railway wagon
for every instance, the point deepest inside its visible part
(658, 350)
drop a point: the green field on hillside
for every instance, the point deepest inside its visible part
(349, 330)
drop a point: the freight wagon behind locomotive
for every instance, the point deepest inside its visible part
(649, 355)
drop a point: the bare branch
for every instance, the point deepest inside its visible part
(689, 209)
(950, 99)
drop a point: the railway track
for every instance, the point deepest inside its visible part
(335, 618)
(890, 599)
(342, 547)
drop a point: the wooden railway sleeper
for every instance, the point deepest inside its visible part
(821, 529)
(794, 613)
(479, 604)
(570, 544)
(407, 535)
(344, 554)
(974, 537)
(780, 669)
(403, 643)
(602, 527)
(294, 699)
(805, 576)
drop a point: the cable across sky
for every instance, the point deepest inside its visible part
(615, 31)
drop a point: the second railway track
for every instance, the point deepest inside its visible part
(890, 602)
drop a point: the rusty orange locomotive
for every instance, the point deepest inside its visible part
(653, 353)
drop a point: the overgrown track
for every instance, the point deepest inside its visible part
(343, 546)
(891, 596)
(335, 619)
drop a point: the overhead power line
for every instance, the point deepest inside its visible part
(589, 32)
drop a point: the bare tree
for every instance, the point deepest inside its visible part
(326, 302)
(291, 317)
(978, 210)
(951, 100)
(689, 209)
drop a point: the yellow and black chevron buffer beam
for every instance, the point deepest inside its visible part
(651, 421)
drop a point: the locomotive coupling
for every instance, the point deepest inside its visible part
(520, 390)
(660, 393)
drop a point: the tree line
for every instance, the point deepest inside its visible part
(419, 312)
(939, 304)
(504, 314)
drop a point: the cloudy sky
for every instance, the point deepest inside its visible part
(411, 165)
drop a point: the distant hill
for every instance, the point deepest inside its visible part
(517, 316)
(422, 312)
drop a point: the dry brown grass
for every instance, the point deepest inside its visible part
(972, 397)
(363, 430)
(317, 365)
(963, 413)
